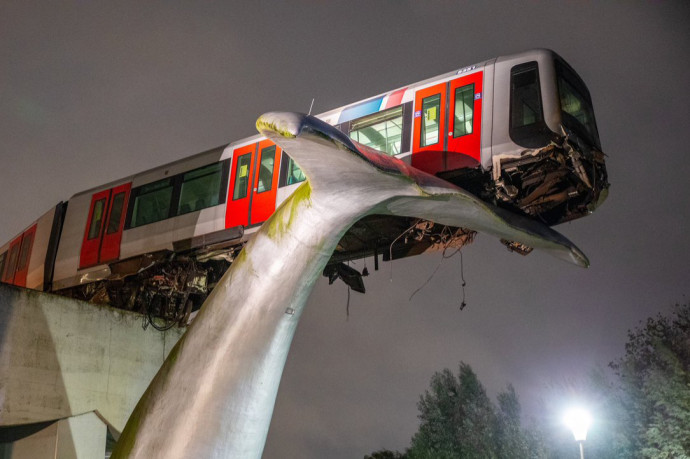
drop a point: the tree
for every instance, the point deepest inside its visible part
(458, 420)
(643, 408)
(385, 454)
(512, 440)
(654, 378)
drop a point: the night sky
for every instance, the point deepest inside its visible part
(91, 92)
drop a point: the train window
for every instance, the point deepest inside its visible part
(431, 118)
(290, 173)
(116, 213)
(152, 203)
(242, 174)
(382, 130)
(25, 251)
(12, 262)
(464, 110)
(266, 165)
(576, 103)
(525, 96)
(3, 257)
(295, 174)
(200, 188)
(527, 127)
(96, 219)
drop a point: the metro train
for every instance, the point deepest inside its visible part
(517, 131)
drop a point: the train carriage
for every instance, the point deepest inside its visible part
(517, 131)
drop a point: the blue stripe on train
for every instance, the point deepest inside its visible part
(363, 109)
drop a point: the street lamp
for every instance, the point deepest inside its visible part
(578, 420)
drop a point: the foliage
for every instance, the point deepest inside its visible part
(385, 454)
(654, 383)
(642, 410)
(458, 420)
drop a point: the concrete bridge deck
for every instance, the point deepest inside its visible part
(69, 371)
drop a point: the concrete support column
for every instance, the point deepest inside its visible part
(77, 437)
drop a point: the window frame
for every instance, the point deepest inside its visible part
(535, 134)
(422, 129)
(285, 162)
(259, 164)
(3, 260)
(182, 181)
(109, 227)
(12, 260)
(405, 124)
(463, 88)
(176, 182)
(566, 74)
(104, 210)
(25, 247)
(137, 193)
(247, 188)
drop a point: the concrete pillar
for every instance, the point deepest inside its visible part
(76, 437)
(60, 358)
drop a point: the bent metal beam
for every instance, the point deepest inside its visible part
(214, 395)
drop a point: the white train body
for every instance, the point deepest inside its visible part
(517, 131)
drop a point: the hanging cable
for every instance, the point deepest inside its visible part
(462, 277)
(428, 279)
(390, 248)
(347, 307)
(447, 239)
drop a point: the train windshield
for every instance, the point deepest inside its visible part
(576, 104)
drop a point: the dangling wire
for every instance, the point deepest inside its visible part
(311, 106)
(390, 248)
(462, 277)
(428, 279)
(462, 272)
(443, 257)
(347, 307)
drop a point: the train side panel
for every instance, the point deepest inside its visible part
(36, 275)
(22, 260)
(503, 142)
(487, 114)
(67, 260)
(139, 236)
(482, 127)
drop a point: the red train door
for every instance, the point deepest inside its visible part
(265, 186)
(465, 121)
(429, 141)
(104, 226)
(239, 194)
(93, 232)
(24, 256)
(115, 223)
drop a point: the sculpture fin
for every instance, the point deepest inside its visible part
(324, 153)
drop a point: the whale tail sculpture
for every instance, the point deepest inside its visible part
(214, 395)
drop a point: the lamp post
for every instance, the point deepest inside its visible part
(578, 420)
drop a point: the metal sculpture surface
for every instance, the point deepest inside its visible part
(214, 395)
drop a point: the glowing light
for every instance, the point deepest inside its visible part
(578, 420)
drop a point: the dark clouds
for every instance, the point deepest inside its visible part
(93, 92)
